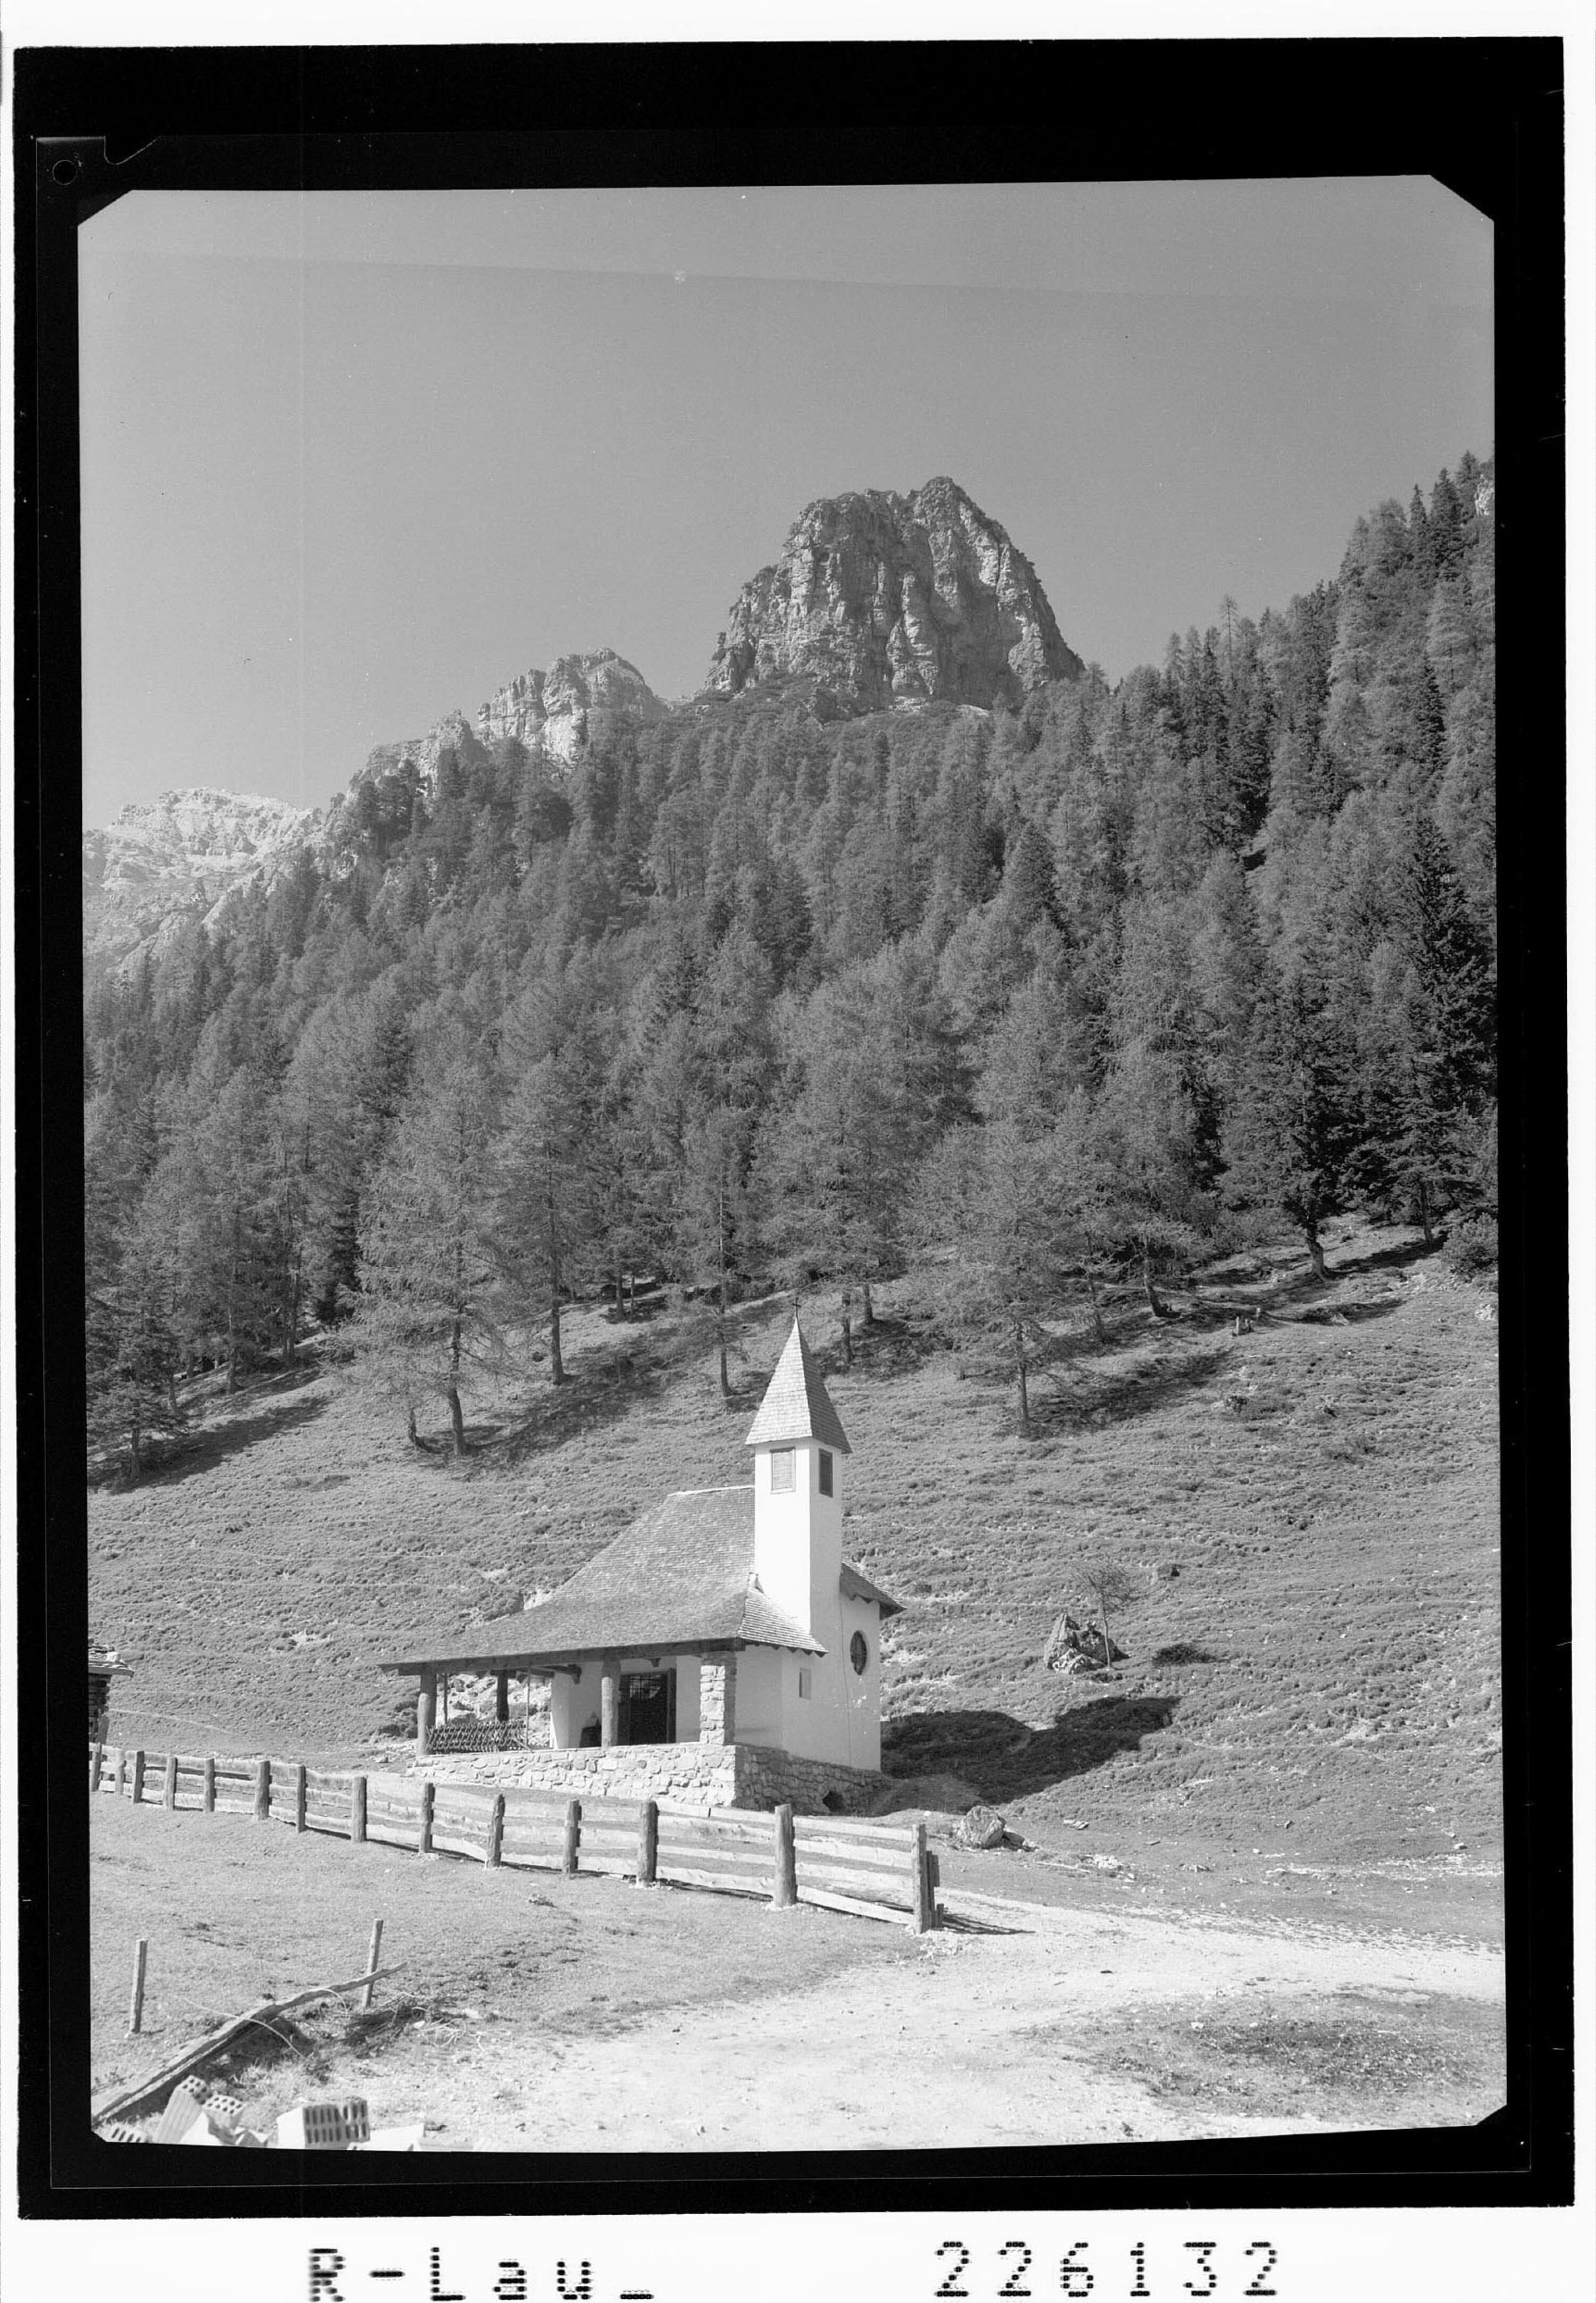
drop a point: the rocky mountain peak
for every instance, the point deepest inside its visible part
(161, 863)
(547, 711)
(887, 600)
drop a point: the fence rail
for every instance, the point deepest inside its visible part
(878, 1870)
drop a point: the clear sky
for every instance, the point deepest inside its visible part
(351, 460)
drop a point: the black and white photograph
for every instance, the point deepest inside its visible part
(793, 1285)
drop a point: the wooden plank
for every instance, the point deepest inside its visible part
(388, 1835)
(120, 1771)
(708, 1831)
(263, 1790)
(169, 1783)
(878, 1884)
(529, 1858)
(842, 1826)
(830, 1902)
(613, 1867)
(735, 1860)
(357, 1814)
(535, 1835)
(137, 1793)
(207, 1796)
(449, 1842)
(854, 1851)
(723, 1882)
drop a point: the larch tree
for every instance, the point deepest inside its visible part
(428, 1314)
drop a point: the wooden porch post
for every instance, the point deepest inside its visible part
(501, 1697)
(608, 1703)
(427, 1697)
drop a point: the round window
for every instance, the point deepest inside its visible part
(859, 1654)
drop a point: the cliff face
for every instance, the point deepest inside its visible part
(547, 711)
(885, 599)
(158, 866)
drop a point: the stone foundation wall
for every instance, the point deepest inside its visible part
(701, 1775)
(706, 1774)
(766, 1777)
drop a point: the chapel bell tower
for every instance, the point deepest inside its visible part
(798, 1445)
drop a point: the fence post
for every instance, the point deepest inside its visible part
(376, 1945)
(208, 1798)
(119, 1773)
(648, 1842)
(357, 1808)
(784, 1891)
(573, 1836)
(300, 1794)
(263, 1790)
(925, 1909)
(136, 2009)
(429, 1792)
(138, 1790)
(169, 1788)
(495, 1832)
(95, 1761)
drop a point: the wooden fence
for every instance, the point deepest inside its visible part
(881, 1871)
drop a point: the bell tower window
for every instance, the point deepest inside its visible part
(781, 1472)
(825, 1471)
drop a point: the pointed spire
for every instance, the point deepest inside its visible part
(796, 1405)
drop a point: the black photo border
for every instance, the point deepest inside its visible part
(1482, 115)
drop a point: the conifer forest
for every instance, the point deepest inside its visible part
(1032, 1002)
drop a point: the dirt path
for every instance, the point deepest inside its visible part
(1080, 2029)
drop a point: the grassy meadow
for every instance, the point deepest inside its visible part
(1310, 1511)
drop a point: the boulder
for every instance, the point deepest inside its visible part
(981, 1827)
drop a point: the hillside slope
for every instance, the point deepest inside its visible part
(1311, 1507)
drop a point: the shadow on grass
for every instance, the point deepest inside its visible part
(1004, 1759)
(591, 1398)
(1105, 1396)
(202, 1451)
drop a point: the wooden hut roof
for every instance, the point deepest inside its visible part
(795, 1403)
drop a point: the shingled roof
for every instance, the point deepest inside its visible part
(680, 1576)
(796, 1405)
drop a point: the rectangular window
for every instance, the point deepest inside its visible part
(825, 1470)
(804, 1683)
(780, 1471)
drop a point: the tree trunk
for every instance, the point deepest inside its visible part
(1098, 1328)
(1148, 1289)
(869, 1306)
(847, 1331)
(1025, 1396)
(720, 1316)
(457, 1422)
(556, 1363)
(1316, 1252)
(1425, 1212)
(135, 1448)
(414, 1437)
(620, 1310)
